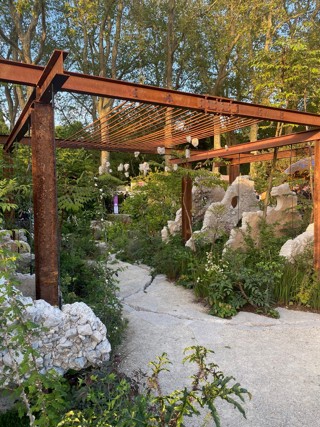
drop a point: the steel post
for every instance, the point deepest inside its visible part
(186, 208)
(234, 172)
(45, 203)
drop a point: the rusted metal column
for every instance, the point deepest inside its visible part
(186, 208)
(316, 207)
(45, 204)
(234, 171)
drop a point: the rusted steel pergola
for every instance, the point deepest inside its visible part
(147, 117)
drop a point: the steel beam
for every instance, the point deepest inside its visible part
(264, 157)
(186, 208)
(263, 144)
(22, 125)
(16, 72)
(51, 77)
(45, 204)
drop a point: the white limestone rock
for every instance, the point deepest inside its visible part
(298, 245)
(281, 216)
(221, 217)
(74, 337)
(202, 196)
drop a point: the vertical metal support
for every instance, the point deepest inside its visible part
(45, 203)
(234, 172)
(186, 208)
(316, 207)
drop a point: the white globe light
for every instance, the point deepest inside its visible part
(195, 142)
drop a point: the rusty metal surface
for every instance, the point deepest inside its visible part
(234, 172)
(285, 154)
(16, 72)
(45, 204)
(295, 138)
(186, 208)
(22, 124)
(50, 76)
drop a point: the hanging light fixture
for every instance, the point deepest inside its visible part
(161, 150)
(188, 139)
(136, 153)
(195, 142)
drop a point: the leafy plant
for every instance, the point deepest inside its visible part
(86, 277)
(110, 400)
(40, 396)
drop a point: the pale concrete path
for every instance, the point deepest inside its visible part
(277, 360)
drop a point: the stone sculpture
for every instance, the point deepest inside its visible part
(221, 217)
(298, 245)
(202, 196)
(284, 215)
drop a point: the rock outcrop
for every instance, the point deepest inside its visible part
(71, 338)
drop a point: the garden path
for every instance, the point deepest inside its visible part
(277, 360)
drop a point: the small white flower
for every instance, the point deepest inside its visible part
(110, 170)
(136, 153)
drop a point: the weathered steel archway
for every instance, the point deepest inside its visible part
(39, 112)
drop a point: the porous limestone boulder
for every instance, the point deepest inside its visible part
(202, 196)
(298, 245)
(283, 216)
(221, 217)
(74, 337)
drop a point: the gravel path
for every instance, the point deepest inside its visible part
(277, 360)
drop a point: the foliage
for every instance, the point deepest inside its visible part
(299, 284)
(110, 400)
(11, 419)
(7, 188)
(41, 396)
(92, 282)
(243, 276)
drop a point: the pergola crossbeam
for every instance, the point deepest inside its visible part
(263, 144)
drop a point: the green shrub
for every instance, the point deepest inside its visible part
(243, 276)
(299, 283)
(86, 277)
(12, 419)
(113, 400)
